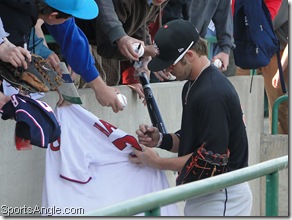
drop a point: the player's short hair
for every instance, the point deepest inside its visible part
(45, 9)
(201, 47)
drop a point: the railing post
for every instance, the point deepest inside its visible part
(275, 113)
(272, 189)
(153, 212)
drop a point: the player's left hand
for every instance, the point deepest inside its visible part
(147, 157)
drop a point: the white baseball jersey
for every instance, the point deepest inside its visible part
(89, 168)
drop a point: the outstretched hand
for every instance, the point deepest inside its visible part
(137, 87)
(106, 95)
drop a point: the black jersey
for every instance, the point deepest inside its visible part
(213, 114)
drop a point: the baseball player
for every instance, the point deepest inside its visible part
(90, 169)
(212, 139)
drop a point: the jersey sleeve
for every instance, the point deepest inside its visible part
(72, 152)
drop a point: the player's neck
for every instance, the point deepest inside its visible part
(199, 66)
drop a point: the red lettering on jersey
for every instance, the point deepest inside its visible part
(55, 146)
(108, 127)
(121, 143)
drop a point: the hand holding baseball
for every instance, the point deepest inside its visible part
(125, 45)
(218, 63)
(221, 61)
(138, 48)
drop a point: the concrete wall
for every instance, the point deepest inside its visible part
(273, 146)
(22, 172)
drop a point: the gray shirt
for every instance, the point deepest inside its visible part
(219, 11)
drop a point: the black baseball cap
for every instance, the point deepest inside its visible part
(172, 40)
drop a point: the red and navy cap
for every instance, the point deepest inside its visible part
(172, 41)
(35, 120)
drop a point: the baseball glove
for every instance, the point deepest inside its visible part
(38, 77)
(203, 164)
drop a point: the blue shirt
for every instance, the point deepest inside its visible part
(75, 48)
(36, 45)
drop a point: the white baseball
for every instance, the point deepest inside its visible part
(141, 49)
(218, 63)
(122, 99)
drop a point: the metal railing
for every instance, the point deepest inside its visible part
(150, 204)
(275, 111)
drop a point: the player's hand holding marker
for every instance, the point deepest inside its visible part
(148, 135)
(148, 138)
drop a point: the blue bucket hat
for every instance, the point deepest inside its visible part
(83, 9)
